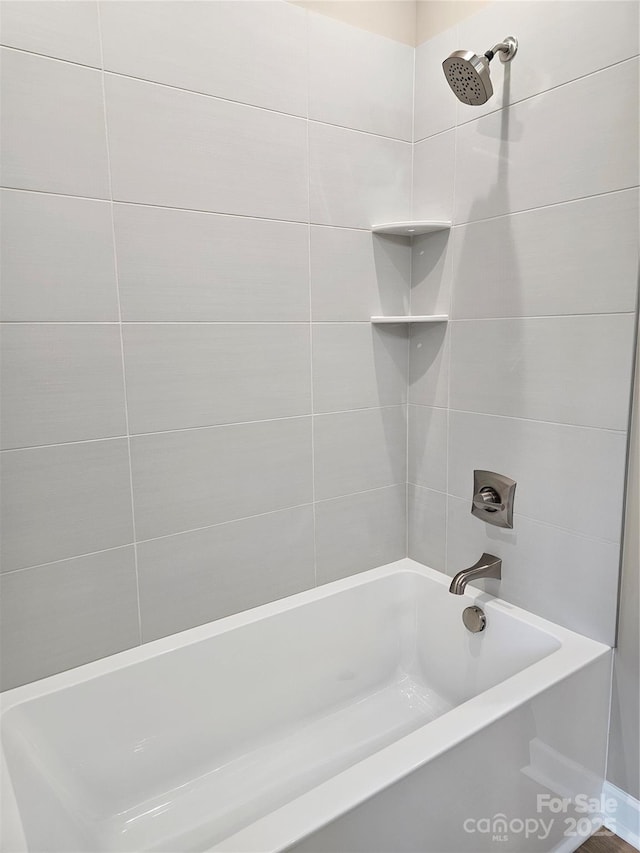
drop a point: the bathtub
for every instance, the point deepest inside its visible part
(359, 716)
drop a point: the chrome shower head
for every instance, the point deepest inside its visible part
(468, 74)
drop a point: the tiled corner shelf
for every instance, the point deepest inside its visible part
(407, 318)
(411, 229)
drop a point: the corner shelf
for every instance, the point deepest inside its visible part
(418, 318)
(411, 229)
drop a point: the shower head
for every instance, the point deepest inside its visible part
(468, 74)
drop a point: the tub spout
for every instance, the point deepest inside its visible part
(487, 566)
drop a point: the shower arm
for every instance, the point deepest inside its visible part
(501, 46)
(507, 50)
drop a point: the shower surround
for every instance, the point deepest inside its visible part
(198, 415)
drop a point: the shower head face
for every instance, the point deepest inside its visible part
(468, 76)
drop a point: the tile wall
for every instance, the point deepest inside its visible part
(539, 274)
(198, 416)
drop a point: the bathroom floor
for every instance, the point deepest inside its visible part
(606, 844)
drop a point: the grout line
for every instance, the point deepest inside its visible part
(107, 71)
(13, 49)
(434, 135)
(295, 116)
(409, 403)
(202, 527)
(171, 322)
(449, 336)
(29, 191)
(366, 229)
(360, 492)
(61, 444)
(200, 94)
(543, 206)
(367, 322)
(428, 406)
(226, 522)
(310, 293)
(520, 418)
(529, 97)
(525, 210)
(562, 85)
(104, 71)
(122, 353)
(228, 214)
(122, 547)
(529, 518)
(544, 317)
(409, 331)
(135, 435)
(430, 489)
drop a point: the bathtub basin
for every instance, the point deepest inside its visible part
(361, 715)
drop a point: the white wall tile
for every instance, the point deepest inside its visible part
(356, 179)
(359, 79)
(553, 389)
(360, 532)
(357, 366)
(436, 106)
(432, 273)
(192, 578)
(579, 37)
(63, 501)
(61, 382)
(427, 519)
(210, 152)
(574, 141)
(574, 370)
(429, 365)
(427, 457)
(178, 265)
(189, 375)
(358, 451)
(59, 616)
(567, 476)
(561, 576)
(53, 134)
(356, 274)
(65, 30)
(589, 263)
(177, 149)
(252, 52)
(433, 177)
(57, 260)
(195, 478)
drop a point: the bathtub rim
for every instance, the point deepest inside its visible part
(305, 814)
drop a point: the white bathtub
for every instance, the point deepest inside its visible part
(358, 716)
